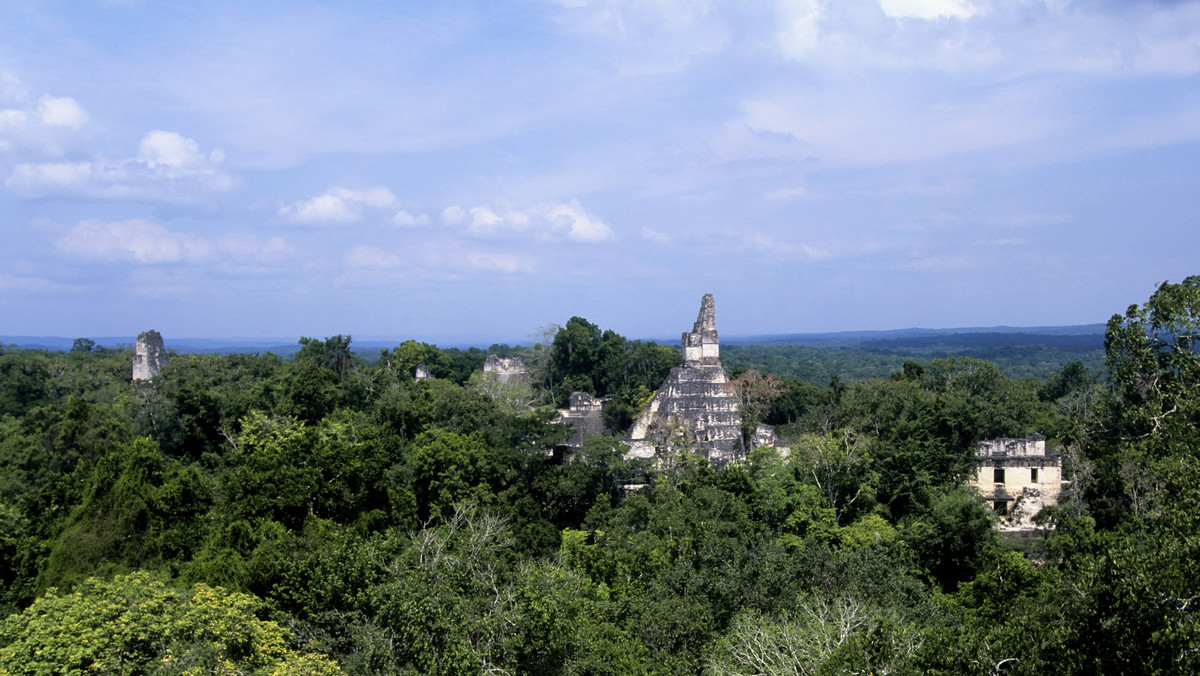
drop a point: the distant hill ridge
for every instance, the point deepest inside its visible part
(889, 335)
(1082, 335)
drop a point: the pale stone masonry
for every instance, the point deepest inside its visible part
(1018, 477)
(585, 415)
(149, 355)
(505, 368)
(695, 407)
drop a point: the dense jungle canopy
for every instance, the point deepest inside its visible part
(330, 514)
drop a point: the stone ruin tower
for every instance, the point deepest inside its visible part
(1018, 477)
(695, 400)
(505, 368)
(149, 357)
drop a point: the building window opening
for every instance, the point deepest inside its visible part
(998, 475)
(1000, 507)
(1033, 475)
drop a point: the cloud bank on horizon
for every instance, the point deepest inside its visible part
(305, 168)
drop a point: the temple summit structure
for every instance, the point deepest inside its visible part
(695, 408)
(149, 355)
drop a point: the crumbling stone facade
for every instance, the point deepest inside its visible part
(695, 407)
(149, 355)
(1018, 477)
(585, 415)
(421, 373)
(505, 368)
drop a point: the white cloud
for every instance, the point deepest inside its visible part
(788, 193)
(338, 205)
(250, 247)
(162, 282)
(649, 37)
(137, 240)
(656, 236)
(1010, 241)
(484, 221)
(929, 9)
(991, 36)
(40, 127)
(27, 283)
(12, 92)
(166, 148)
(488, 261)
(11, 121)
(551, 221)
(579, 225)
(772, 248)
(1036, 220)
(936, 263)
(169, 167)
(432, 260)
(371, 258)
(148, 243)
(873, 122)
(406, 220)
(799, 26)
(454, 215)
(61, 112)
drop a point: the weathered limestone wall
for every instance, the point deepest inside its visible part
(585, 415)
(421, 373)
(505, 368)
(701, 347)
(149, 355)
(695, 405)
(1018, 477)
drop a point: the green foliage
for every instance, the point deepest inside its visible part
(585, 359)
(282, 469)
(449, 468)
(1156, 369)
(333, 353)
(138, 624)
(951, 539)
(824, 634)
(1019, 356)
(136, 510)
(83, 345)
(430, 527)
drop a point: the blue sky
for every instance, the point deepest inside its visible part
(428, 170)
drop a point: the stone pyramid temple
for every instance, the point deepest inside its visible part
(149, 356)
(695, 407)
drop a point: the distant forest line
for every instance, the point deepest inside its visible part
(813, 358)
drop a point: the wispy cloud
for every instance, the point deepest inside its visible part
(339, 205)
(61, 111)
(548, 221)
(36, 127)
(32, 284)
(168, 167)
(145, 242)
(649, 38)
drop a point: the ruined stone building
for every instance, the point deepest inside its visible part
(1018, 477)
(505, 368)
(149, 356)
(585, 415)
(421, 373)
(695, 406)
